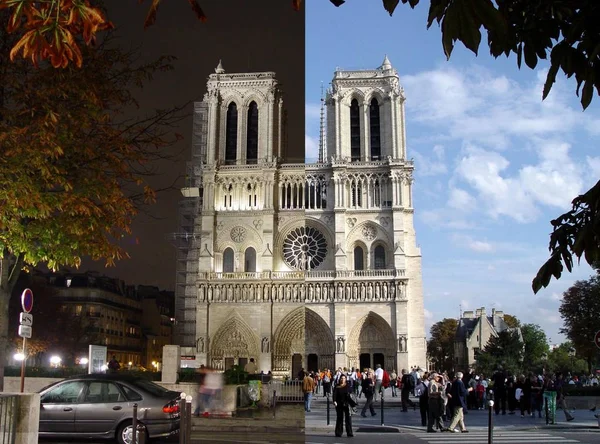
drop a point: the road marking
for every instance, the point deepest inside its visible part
(505, 437)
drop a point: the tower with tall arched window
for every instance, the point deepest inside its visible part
(308, 265)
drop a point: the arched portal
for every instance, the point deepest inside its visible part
(233, 343)
(372, 337)
(302, 332)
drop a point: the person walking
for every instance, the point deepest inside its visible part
(343, 402)
(406, 390)
(368, 389)
(308, 387)
(422, 391)
(436, 404)
(378, 380)
(458, 399)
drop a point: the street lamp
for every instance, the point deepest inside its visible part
(55, 360)
(19, 356)
(84, 361)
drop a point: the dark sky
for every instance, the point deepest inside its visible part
(265, 35)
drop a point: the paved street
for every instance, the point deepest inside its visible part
(398, 427)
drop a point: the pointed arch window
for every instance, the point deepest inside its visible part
(231, 134)
(250, 260)
(359, 258)
(375, 130)
(354, 130)
(379, 258)
(252, 135)
(228, 260)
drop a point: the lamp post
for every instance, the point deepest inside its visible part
(572, 353)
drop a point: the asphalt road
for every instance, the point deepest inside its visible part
(404, 436)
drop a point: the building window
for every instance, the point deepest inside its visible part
(374, 130)
(354, 130)
(252, 136)
(231, 134)
(379, 258)
(359, 259)
(250, 260)
(228, 261)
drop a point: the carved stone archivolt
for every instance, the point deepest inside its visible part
(234, 339)
(372, 334)
(303, 293)
(304, 332)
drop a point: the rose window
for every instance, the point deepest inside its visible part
(304, 248)
(238, 234)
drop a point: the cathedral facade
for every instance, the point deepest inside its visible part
(300, 265)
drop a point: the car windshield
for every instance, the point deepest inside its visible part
(150, 387)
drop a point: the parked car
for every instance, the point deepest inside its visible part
(101, 406)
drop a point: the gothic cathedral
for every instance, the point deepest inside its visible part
(300, 265)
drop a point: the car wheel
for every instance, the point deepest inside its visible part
(125, 433)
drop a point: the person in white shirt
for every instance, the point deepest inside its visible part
(378, 380)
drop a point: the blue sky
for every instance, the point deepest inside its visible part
(493, 163)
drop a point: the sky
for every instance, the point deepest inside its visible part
(247, 36)
(493, 162)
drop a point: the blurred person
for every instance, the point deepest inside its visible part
(422, 391)
(113, 365)
(435, 404)
(251, 368)
(378, 381)
(211, 390)
(393, 383)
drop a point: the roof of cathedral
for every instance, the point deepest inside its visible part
(386, 64)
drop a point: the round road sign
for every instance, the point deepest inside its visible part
(597, 339)
(27, 300)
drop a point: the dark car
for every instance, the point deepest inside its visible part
(101, 406)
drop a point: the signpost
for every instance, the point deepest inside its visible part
(597, 339)
(25, 321)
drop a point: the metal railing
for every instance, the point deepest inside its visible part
(286, 391)
(8, 418)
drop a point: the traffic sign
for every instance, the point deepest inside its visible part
(27, 300)
(597, 339)
(26, 319)
(25, 331)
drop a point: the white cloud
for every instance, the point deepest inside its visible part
(461, 200)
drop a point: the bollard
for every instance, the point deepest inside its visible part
(546, 410)
(182, 420)
(188, 417)
(274, 402)
(490, 422)
(328, 409)
(382, 402)
(134, 424)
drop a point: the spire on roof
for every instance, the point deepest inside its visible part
(219, 69)
(386, 64)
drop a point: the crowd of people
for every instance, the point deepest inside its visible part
(444, 399)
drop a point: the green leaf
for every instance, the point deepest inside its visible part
(550, 79)
(587, 93)
(530, 55)
(390, 5)
(469, 33)
(450, 28)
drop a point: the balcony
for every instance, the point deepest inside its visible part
(304, 275)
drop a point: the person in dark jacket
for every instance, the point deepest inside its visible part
(499, 380)
(368, 389)
(342, 402)
(459, 395)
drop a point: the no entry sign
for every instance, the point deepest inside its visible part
(27, 300)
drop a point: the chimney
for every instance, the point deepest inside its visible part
(480, 312)
(468, 315)
(500, 314)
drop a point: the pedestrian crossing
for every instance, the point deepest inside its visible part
(500, 437)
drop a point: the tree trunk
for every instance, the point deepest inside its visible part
(10, 267)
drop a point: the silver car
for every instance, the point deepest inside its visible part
(101, 406)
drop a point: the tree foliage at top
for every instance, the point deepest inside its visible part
(580, 312)
(440, 347)
(536, 345)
